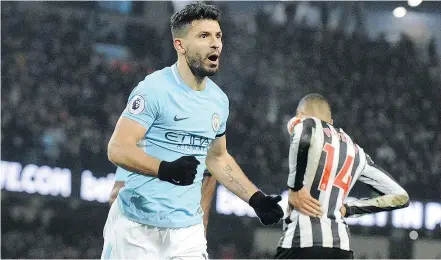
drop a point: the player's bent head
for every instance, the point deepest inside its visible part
(182, 20)
(315, 105)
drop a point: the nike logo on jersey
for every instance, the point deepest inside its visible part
(176, 181)
(179, 119)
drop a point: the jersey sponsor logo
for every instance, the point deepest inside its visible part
(188, 141)
(137, 105)
(215, 122)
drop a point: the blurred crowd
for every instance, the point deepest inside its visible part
(384, 95)
(61, 100)
(40, 229)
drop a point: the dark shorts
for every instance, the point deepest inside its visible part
(313, 253)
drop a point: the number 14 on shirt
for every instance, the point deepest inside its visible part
(343, 177)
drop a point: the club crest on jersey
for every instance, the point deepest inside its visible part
(215, 122)
(137, 105)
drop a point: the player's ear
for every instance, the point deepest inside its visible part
(332, 121)
(178, 44)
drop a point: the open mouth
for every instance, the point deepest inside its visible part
(213, 57)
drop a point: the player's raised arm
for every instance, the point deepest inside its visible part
(393, 195)
(223, 166)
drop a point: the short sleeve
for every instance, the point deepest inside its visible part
(121, 174)
(143, 105)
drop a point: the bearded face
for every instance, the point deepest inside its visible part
(202, 65)
(203, 46)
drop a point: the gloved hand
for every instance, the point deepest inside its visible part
(266, 207)
(179, 172)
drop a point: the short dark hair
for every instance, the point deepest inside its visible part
(191, 12)
(313, 97)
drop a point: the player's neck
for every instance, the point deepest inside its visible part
(196, 83)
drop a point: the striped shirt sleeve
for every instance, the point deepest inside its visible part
(393, 196)
(298, 152)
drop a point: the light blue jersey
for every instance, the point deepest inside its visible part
(179, 121)
(121, 174)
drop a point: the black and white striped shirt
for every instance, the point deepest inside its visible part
(327, 162)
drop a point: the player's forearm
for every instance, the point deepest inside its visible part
(208, 188)
(383, 203)
(393, 196)
(133, 158)
(229, 174)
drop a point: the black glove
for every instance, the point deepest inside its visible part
(179, 172)
(266, 207)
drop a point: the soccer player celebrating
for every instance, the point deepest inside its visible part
(172, 129)
(324, 164)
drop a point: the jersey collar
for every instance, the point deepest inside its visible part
(181, 82)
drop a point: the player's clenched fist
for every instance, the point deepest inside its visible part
(179, 172)
(267, 208)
